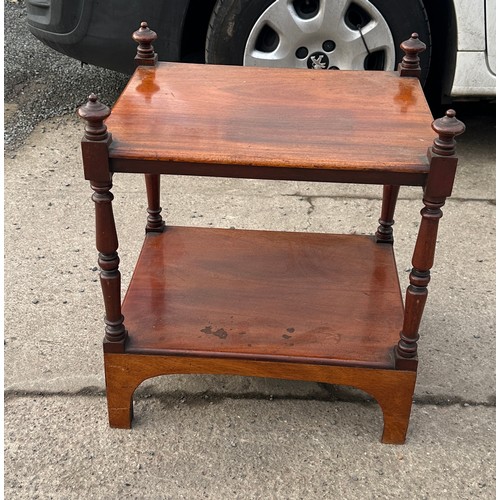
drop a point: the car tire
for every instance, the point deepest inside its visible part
(298, 33)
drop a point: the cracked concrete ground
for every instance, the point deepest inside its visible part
(237, 437)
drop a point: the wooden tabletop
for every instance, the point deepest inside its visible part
(272, 118)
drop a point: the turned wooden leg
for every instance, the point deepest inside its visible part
(386, 221)
(416, 293)
(155, 223)
(95, 144)
(107, 245)
(443, 163)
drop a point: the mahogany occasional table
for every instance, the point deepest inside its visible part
(302, 306)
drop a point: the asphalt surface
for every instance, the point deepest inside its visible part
(224, 437)
(41, 83)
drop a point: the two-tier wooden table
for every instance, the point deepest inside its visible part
(317, 307)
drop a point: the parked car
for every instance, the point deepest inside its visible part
(320, 34)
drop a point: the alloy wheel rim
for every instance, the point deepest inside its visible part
(321, 34)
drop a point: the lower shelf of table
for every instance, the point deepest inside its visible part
(265, 295)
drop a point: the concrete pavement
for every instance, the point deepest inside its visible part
(222, 437)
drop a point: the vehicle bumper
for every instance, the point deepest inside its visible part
(99, 32)
(473, 77)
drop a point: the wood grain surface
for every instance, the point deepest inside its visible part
(332, 299)
(268, 117)
(393, 389)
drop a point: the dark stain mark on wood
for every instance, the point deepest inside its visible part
(290, 330)
(221, 333)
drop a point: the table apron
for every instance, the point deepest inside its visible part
(271, 173)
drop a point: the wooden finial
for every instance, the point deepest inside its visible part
(447, 128)
(144, 36)
(94, 113)
(410, 65)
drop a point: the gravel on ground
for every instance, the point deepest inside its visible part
(40, 83)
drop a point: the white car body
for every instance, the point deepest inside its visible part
(475, 69)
